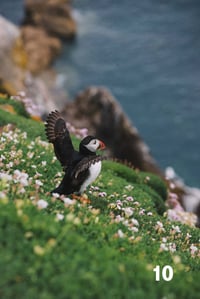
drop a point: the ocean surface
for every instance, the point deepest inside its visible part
(147, 53)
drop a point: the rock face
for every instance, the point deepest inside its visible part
(96, 109)
(35, 50)
(14, 78)
(8, 35)
(27, 53)
(54, 16)
(46, 23)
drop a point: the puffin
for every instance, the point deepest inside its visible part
(81, 167)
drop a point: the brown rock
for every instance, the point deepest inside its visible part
(96, 109)
(38, 49)
(46, 22)
(54, 16)
(15, 78)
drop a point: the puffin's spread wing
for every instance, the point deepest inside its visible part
(85, 164)
(58, 134)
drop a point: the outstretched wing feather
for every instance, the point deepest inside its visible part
(58, 134)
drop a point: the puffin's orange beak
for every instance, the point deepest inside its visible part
(101, 145)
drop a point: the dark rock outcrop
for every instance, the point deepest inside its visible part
(46, 23)
(53, 16)
(96, 109)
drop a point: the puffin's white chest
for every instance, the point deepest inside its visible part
(94, 171)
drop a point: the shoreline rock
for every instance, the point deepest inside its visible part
(53, 16)
(45, 25)
(34, 50)
(28, 52)
(96, 109)
(15, 78)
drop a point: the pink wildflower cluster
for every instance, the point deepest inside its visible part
(173, 202)
(14, 158)
(159, 227)
(165, 246)
(194, 251)
(18, 177)
(66, 200)
(127, 209)
(175, 234)
(176, 212)
(181, 216)
(79, 133)
(30, 107)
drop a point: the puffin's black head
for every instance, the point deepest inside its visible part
(89, 145)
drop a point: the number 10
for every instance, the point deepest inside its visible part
(167, 273)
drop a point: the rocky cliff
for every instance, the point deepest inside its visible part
(96, 109)
(27, 52)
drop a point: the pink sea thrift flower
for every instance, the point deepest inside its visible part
(172, 247)
(163, 247)
(42, 204)
(128, 211)
(129, 198)
(142, 212)
(120, 233)
(135, 222)
(59, 216)
(21, 177)
(119, 218)
(68, 201)
(56, 195)
(176, 229)
(4, 176)
(119, 204)
(173, 202)
(38, 183)
(102, 194)
(193, 250)
(159, 226)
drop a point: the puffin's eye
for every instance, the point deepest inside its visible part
(95, 141)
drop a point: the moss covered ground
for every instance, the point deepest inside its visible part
(60, 248)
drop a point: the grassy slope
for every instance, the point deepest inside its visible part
(104, 250)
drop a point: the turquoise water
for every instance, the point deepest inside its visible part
(148, 54)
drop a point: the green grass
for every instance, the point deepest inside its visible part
(106, 249)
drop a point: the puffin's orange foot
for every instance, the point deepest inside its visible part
(82, 198)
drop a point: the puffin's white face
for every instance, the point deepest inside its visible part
(93, 145)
